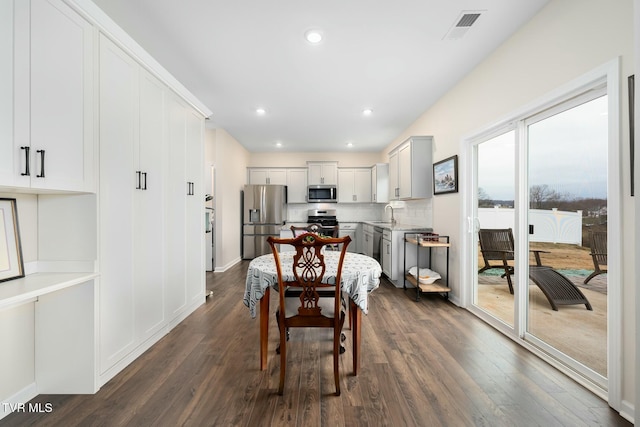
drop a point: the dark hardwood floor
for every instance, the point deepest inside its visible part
(424, 363)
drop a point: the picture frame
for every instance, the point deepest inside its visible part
(445, 176)
(11, 263)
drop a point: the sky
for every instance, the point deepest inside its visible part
(567, 152)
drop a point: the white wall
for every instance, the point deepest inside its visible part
(230, 160)
(565, 40)
(299, 160)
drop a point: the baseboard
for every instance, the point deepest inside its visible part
(627, 410)
(108, 375)
(11, 404)
(222, 269)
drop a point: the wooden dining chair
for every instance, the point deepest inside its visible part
(312, 307)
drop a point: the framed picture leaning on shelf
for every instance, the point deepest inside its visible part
(11, 264)
(445, 176)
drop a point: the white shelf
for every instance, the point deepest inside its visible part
(29, 288)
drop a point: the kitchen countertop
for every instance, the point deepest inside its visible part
(382, 224)
(397, 226)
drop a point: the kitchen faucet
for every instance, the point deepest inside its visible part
(393, 220)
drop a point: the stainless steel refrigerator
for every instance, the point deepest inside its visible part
(264, 211)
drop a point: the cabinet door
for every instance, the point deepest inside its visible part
(330, 173)
(297, 185)
(118, 128)
(8, 168)
(148, 219)
(404, 171)
(194, 225)
(61, 98)
(315, 174)
(323, 173)
(362, 185)
(278, 176)
(393, 176)
(258, 176)
(346, 185)
(386, 257)
(175, 205)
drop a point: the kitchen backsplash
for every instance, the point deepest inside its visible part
(412, 212)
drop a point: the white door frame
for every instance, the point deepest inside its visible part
(609, 74)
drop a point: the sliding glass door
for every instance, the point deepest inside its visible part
(567, 183)
(542, 223)
(494, 210)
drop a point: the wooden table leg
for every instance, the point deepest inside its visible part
(264, 328)
(355, 331)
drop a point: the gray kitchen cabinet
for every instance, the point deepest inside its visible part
(410, 169)
(380, 183)
(350, 229)
(354, 185)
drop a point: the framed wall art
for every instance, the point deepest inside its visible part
(445, 176)
(11, 264)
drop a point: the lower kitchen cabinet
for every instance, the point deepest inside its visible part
(386, 252)
(350, 229)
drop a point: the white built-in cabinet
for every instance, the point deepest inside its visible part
(47, 97)
(119, 265)
(354, 185)
(297, 185)
(151, 209)
(268, 176)
(322, 173)
(410, 174)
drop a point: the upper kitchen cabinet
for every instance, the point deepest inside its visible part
(380, 183)
(354, 185)
(267, 176)
(322, 173)
(47, 76)
(297, 185)
(410, 169)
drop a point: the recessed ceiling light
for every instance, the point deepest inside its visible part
(349, 144)
(261, 111)
(313, 36)
(279, 144)
(367, 112)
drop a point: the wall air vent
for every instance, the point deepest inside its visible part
(462, 24)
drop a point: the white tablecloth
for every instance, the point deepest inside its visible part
(360, 275)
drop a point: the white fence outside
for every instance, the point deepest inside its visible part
(552, 226)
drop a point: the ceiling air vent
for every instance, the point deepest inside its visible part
(462, 24)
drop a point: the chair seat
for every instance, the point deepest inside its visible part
(293, 303)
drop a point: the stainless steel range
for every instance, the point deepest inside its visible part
(326, 218)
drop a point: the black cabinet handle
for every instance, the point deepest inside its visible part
(191, 189)
(26, 172)
(41, 175)
(144, 175)
(139, 185)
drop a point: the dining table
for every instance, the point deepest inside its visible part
(360, 276)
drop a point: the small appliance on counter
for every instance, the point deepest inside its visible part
(264, 211)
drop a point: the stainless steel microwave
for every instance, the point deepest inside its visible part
(322, 194)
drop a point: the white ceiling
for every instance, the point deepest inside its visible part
(392, 57)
